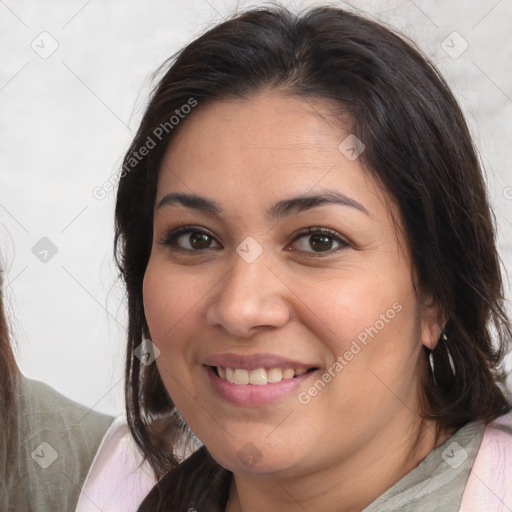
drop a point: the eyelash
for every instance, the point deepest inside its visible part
(170, 239)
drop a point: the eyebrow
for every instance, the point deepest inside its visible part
(279, 210)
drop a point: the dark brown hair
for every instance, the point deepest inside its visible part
(418, 148)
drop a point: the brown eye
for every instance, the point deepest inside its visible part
(199, 240)
(319, 241)
(190, 239)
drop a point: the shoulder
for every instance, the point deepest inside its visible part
(39, 401)
(76, 429)
(119, 478)
(489, 485)
(56, 440)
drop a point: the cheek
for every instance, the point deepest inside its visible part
(382, 342)
(372, 322)
(371, 330)
(354, 308)
(166, 303)
(169, 298)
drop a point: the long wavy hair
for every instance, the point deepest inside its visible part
(418, 148)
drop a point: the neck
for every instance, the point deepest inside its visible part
(348, 486)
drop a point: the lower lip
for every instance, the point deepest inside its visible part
(253, 395)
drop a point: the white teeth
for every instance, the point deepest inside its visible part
(241, 376)
(259, 376)
(274, 375)
(288, 373)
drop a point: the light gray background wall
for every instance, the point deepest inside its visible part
(68, 116)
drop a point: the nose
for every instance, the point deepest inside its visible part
(251, 297)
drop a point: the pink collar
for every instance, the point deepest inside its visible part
(489, 487)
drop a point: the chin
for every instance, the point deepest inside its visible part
(252, 459)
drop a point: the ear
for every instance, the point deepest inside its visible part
(433, 321)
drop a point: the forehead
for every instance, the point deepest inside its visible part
(262, 147)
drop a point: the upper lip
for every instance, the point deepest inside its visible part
(255, 361)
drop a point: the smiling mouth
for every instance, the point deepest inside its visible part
(258, 376)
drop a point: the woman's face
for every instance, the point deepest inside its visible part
(284, 308)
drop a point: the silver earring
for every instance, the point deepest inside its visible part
(431, 361)
(443, 340)
(450, 358)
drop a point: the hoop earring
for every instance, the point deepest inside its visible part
(441, 342)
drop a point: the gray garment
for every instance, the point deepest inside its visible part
(438, 481)
(55, 440)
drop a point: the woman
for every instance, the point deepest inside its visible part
(305, 238)
(47, 442)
